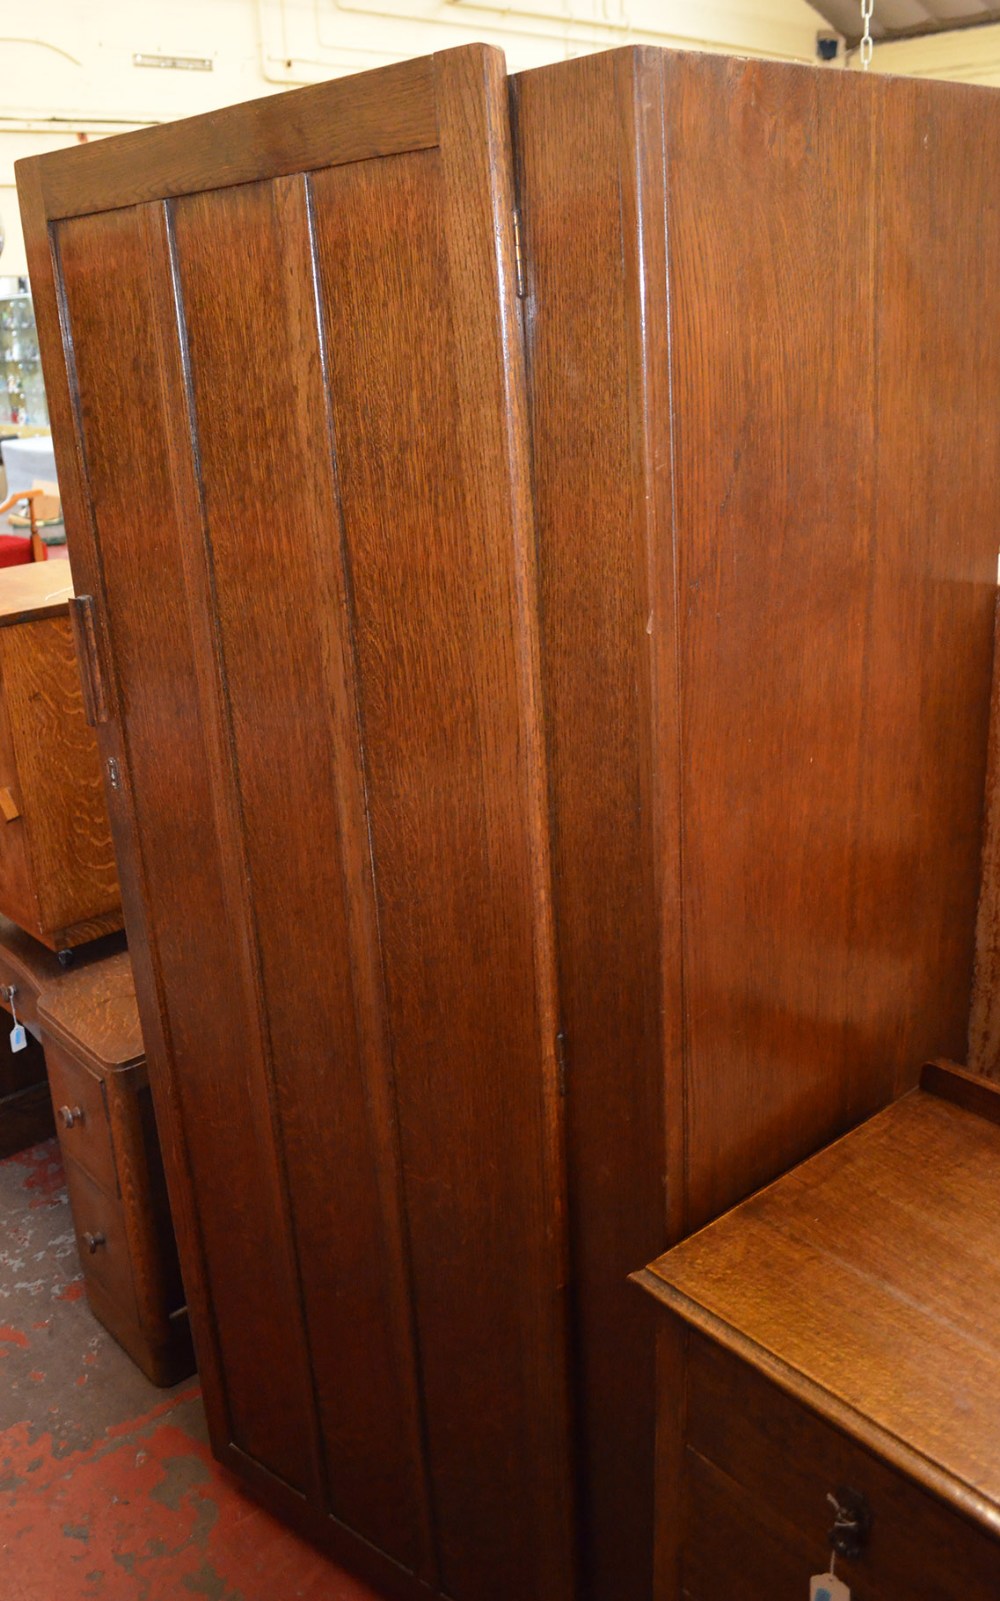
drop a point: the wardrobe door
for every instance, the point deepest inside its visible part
(287, 398)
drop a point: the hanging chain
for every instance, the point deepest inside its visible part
(867, 43)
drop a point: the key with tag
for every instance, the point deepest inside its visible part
(18, 1037)
(825, 1587)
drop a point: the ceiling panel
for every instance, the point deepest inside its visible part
(905, 19)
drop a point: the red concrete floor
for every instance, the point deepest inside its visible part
(107, 1488)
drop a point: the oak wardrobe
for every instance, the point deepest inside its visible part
(557, 809)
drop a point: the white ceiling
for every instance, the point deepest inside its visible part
(903, 19)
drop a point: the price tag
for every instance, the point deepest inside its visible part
(18, 1038)
(824, 1587)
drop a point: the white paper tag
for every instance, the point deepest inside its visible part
(18, 1038)
(824, 1587)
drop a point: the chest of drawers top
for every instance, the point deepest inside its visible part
(866, 1284)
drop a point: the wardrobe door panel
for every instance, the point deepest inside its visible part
(146, 530)
(270, 527)
(288, 408)
(443, 616)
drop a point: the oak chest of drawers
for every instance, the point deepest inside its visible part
(107, 1132)
(829, 1370)
(58, 879)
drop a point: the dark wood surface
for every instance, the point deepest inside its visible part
(338, 903)
(971, 1090)
(837, 632)
(785, 1461)
(25, 1106)
(865, 1283)
(983, 1054)
(766, 658)
(590, 169)
(393, 110)
(758, 658)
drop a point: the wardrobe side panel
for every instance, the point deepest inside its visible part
(590, 174)
(937, 532)
(837, 571)
(772, 238)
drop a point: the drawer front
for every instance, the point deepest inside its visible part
(785, 1461)
(78, 1094)
(98, 1222)
(736, 1547)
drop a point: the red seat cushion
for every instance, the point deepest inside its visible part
(14, 551)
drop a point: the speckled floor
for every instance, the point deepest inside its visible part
(107, 1488)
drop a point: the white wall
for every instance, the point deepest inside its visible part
(71, 60)
(971, 55)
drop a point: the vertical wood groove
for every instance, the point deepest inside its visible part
(363, 903)
(62, 388)
(228, 799)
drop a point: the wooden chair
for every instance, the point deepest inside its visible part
(14, 548)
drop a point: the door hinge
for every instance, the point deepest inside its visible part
(114, 776)
(518, 255)
(95, 701)
(561, 1061)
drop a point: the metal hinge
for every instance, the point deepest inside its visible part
(518, 255)
(114, 777)
(561, 1061)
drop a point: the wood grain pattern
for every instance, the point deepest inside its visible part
(388, 110)
(934, 572)
(765, 661)
(93, 1005)
(18, 891)
(33, 590)
(61, 394)
(770, 257)
(57, 868)
(436, 542)
(365, 1381)
(779, 1453)
(590, 166)
(864, 1283)
(975, 1093)
(134, 473)
(223, 878)
(59, 775)
(983, 1055)
(76, 1090)
(745, 1547)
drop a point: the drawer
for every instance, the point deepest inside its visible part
(98, 1215)
(735, 1545)
(784, 1461)
(79, 1094)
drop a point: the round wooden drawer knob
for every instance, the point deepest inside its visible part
(94, 1241)
(71, 1115)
